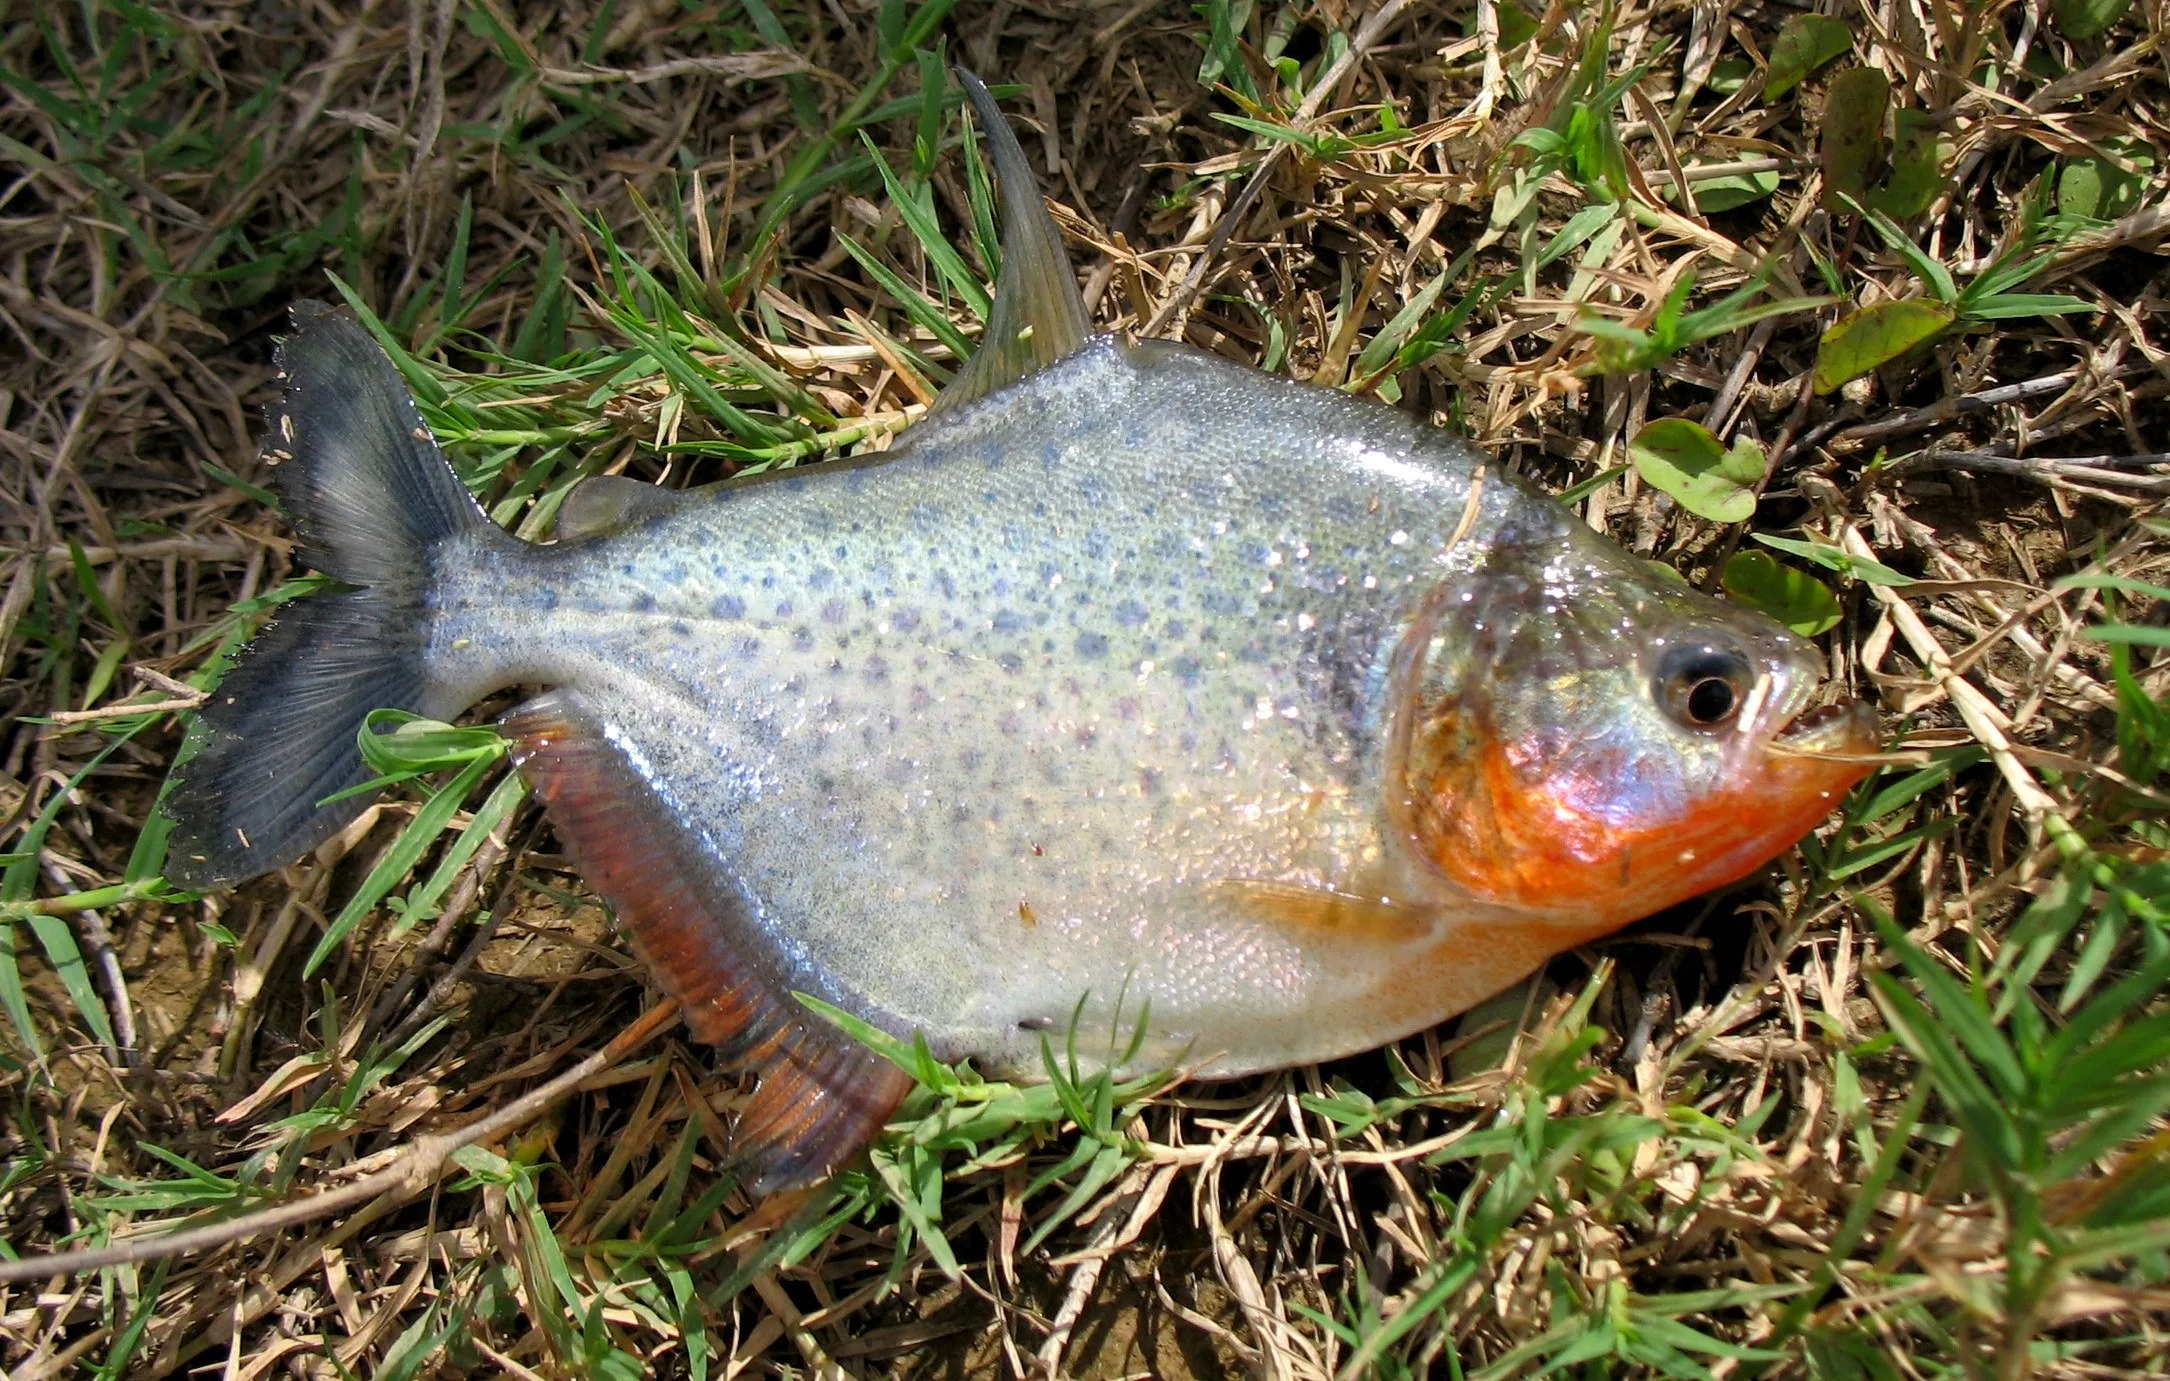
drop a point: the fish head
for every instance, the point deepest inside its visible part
(1582, 738)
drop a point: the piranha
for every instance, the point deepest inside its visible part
(1228, 722)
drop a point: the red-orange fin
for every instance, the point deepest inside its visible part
(822, 1096)
(1321, 912)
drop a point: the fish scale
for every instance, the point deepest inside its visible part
(1134, 698)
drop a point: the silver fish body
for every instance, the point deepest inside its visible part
(979, 730)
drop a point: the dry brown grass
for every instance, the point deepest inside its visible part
(173, 179)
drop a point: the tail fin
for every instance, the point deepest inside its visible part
(371, 496)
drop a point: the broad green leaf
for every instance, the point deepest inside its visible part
(1683, 459)
(1728, 75)
(1920, 151)
(2089, 18)
(1730, 191)
(1874, 336)
(1805, 43)
(1796, 599)
(2099, 190)
(1853, 133)
(1516, 27)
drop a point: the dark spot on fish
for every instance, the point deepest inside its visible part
(920, 699)
(783, 608)
(1011, 723)
(1097, 545)
(877, 670)
(1252, 651)
(1148, 781)
(1011, 662)
(643, 602)
(1126, 709)
(821, 577)
(1092, 645)
(843, 553)
(1008, 621)
(1130, 613)
(768, 582)
(1051, 455)
(749, 648)
(1221, 602)
(835, 611)
(681, 629)
(1086, 735)
(904, 620)
(1174, 630)
(728, 607)
(1187, 669)
(802, 639)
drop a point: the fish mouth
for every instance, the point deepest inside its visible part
(1845, 729)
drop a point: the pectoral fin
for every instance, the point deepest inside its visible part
(822, 1096)
(1039, 315)
(1320, 912)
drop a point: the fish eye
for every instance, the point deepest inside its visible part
(1702, 685)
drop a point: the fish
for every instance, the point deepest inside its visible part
(1133, 699)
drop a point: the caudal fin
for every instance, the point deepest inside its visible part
(371, 497)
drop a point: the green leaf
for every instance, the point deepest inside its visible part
(1844, 562)
(1920, 151)
(1805, 43)
(2098, 189)
(1796, 599)
(1853, 133)
(1875, 336)
(2089, 18)
(1732, 190)
(1684, 460)
(1516, 27)
(1728, 75)
(2006, 306)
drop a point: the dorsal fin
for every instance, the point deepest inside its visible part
(1039, 315)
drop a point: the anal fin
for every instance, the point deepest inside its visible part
(821, 1096)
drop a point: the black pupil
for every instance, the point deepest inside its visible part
(1710, 700)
